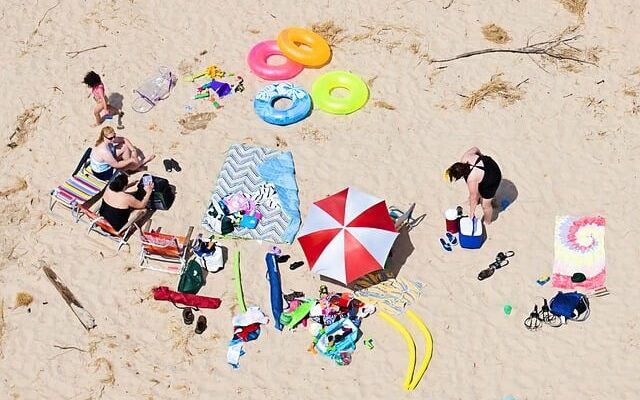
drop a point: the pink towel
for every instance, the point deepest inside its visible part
(579, 248)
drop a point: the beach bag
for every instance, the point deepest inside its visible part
(162, 197)
(209, 258)
(154, 89)
(336, 343)
(217, 220)
(192, 279)
(471, 235)
(571, 305)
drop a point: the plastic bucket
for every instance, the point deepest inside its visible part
(451, 219)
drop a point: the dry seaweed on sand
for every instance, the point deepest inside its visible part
(195, 121)
(384, 104)
(495, 34)
(19, 186)
(26, 124)
(577, 7)
(329, 31)
(23, 299)
(110, 379)
(495, 88)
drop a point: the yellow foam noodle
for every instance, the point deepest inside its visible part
(410, 344)
(428, 349)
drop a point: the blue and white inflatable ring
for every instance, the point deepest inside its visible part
(266, 98)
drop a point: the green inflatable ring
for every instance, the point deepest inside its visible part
(326, 83)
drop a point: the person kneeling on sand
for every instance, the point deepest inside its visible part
(118, 204)
(483, 177)
(113, 152)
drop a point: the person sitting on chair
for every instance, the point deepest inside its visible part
(113, 152)
(483, 177)
(117, 204)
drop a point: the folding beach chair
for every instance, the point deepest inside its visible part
(101, 226)
(81, 187)
(170, 250)
(403, 219)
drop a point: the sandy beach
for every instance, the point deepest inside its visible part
(563, 130)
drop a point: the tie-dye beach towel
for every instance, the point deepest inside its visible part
(579, 248)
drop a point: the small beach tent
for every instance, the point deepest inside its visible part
(347, 235)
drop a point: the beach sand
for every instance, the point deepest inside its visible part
(567, 141)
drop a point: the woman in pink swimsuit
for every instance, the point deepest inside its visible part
(94, 82)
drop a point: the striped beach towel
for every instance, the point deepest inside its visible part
(579, 249)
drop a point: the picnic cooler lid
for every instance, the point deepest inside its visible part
(466, 227)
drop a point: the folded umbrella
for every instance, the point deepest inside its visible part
(192, 300)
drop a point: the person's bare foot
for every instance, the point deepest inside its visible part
(148, 159)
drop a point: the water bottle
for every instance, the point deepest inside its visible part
(459, 211)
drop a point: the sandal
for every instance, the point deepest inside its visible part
(451, 238)
(445, 245)
(175, 165)
(503, 256)
(485, 273)
(168, 165)
(201, 325)
(296, 265)
(293, 295)
(533, 321)
(187, 316)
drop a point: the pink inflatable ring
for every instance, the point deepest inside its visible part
(257, 60)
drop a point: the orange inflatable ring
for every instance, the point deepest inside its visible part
(316, 55)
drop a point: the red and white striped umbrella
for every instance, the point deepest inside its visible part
(347, 235)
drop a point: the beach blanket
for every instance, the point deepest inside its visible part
(256, 171)
(392, 295)
(579, 249)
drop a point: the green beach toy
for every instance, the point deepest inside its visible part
(292, 319)
(507, 309)
(236, 273)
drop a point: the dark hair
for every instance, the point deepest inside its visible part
(458, 170)
(119, 183)
(92, 79)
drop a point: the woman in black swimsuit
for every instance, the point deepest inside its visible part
(483, 177)
(117, 204)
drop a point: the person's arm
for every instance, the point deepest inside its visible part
(122, 164)
(469, 153)
(474, 197)
(140, 204)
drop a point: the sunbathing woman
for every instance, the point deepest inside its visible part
(113, 152)
(94, 82)
(117, 204)
(483, 177)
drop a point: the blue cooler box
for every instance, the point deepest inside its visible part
(471, 233)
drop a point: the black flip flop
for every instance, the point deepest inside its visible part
(187, 316)
(168, 165)
(201, 325)
(175, 165)
(296, 265)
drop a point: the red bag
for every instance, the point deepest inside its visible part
(193, 300)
